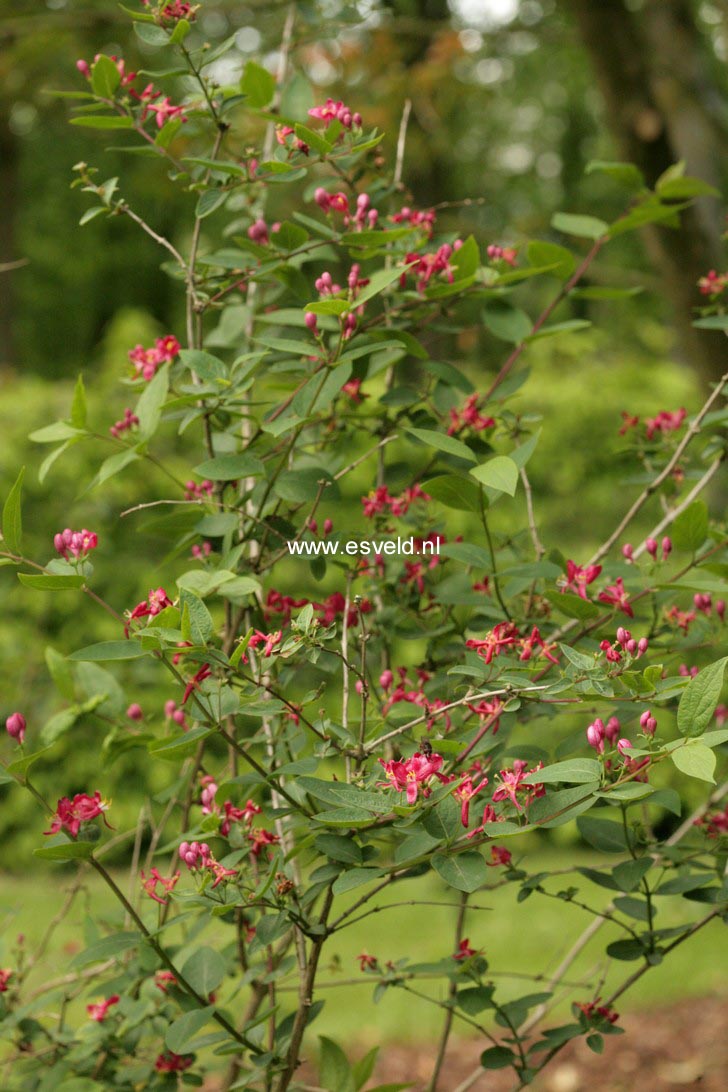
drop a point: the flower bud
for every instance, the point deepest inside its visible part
(134, 712)
(311, 322)
(15, 726)
(631, 646)
(386, 679)
(623, 746)
(666, 547)
(612, 729)
(170, 707)
(595, 735)
(642, 645)
(328, 526)
(627, 551)
(83, 68)
(720, 609)
(651, 547)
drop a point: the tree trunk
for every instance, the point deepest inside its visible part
(659, 105)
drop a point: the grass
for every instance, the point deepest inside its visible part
(521, 939)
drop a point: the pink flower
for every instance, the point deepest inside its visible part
(648, 724)
(408, 775)
(469, 417)
(335, 111)
(665, 422)
(465, 793)
(503, 635)
(577, 578)
(536, 641)
(147, 361)
(511, 784)
(261, 838)
(5, 975)
(194, 683)
(597, 1013)
(713, 283)
(489, 816)
(465, 951)
(150, 885)
(424, 219)
(134, 712)
(616, 595)
(70, 814)
(15, 726)
(99, 1010)
(499, 855)
(502, 254)
(169, 1062)
(623, 746)
(77, 544)
(367, 962)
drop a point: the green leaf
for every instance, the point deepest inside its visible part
(197, 623)
(713, 322)
(59, 430)
(571, 326)
(690, 529)
(604, 835)
(179, 746)
(204, 970)
(339, 848)
(507, 322)
(152, 35)
(500, 473)
(149, 407)
(51, 581)
(463, 871)
(550, 254)
(629, 875)
(573, 606)
(66, 851)
(442, 442)
(377, 283)
(228, 468)
(355, 877)
(453, 492)
(328, 307)
(695, 760)
(204, 365)
(699, 699)
(110, 650)
(106, 948)
(105, 77)
(587, 227)
(258, 84)
(335, 1073)
(315, 140)
(113, 465)
(624, 173)
(78, 406)
(181, 1032)
(575, 771)
(363, 1069)
(180, 32)
(299, 486)
(497, 1057)
(209, 201)
(109, 121)
(12, 516)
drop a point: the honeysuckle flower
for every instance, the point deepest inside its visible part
(465, 793)
(260, 838)
(336, 111)
(426, 266)
(128, 421)
(665, 422)
(596, 1012)
(367, 962)
(199, 490)
(194, 683)
(469, 416)
(624, 746)
(489, 816)
(154, 604)
(715, 825)
(577, 578)
(99, 1010)
(510, 784)
(503, 635)
(135, 712)
(713, 283)
(635, 768)
(465, 951)
(331, 202)
(424, 219)
(407, 775)
(595, 735)
(70, 814)
(536, 641)
(169, 1062)
(502, 254)
(195, 854)
(616, 595)
(628, 551)
(612, 729)
(154, 879)
(681, 618)
(499, 855)
(486, 710)
(5, 975)
(270, 641)
(147, 361)
(77, 544)
(15, 726)
(648, 724)
(163, 979)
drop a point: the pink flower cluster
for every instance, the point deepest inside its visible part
(511, 786)
(469, 417)
(259, 232)
(363, 215)
(154, 880)
(651, 547)
(336, 111)
(197, 857)
(616, 595)
(154, 604)
(406, 691)
(507, 635)
(598, 732)
(715, 825)
(70, 814)
(423, 219)
(713, 283)
(147, 361)
(381, 500)
(596, 1013)
(77, 544)
(128, 421)
(163, 110)
(627, 643)
(663, 422)
(578, 578)
(229, 813)
(198, 490)
(169, 1062)
(426, 266)
(502, 254)
(408, 775)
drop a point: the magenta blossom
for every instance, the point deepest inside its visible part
(408, 775)
(70, 814)
(99, 1010)
(15, 726)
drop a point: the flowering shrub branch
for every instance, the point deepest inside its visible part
(315, 766)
